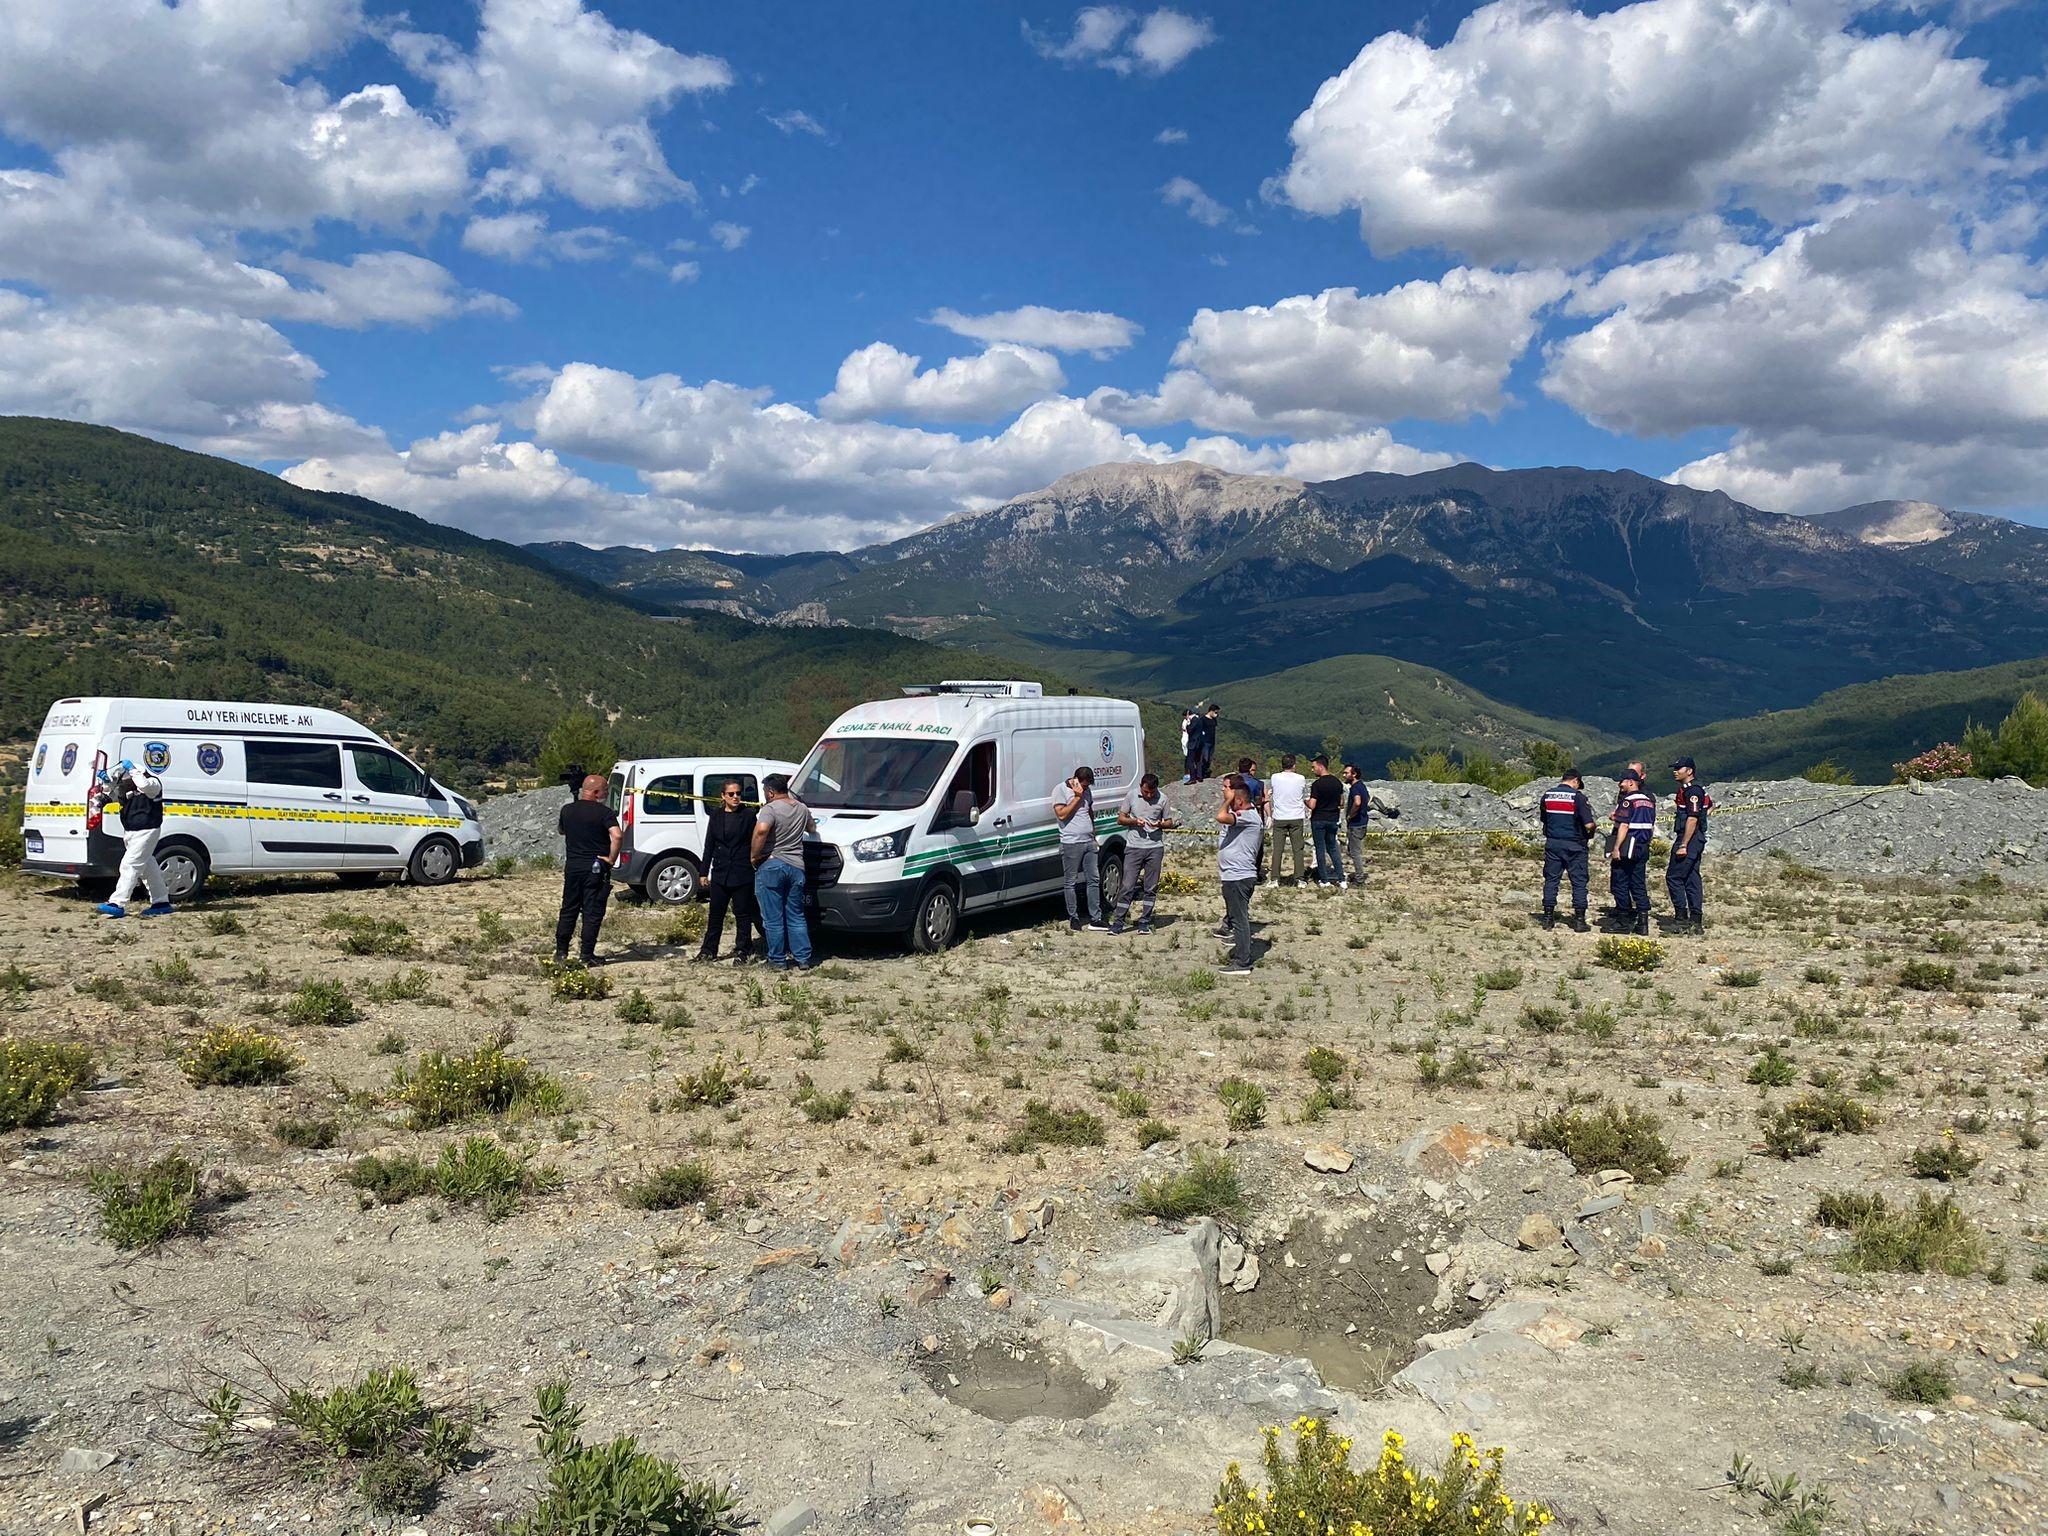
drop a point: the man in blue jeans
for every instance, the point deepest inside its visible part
(778, 854)
(1325, 806)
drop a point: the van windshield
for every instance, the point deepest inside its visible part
(870, 773)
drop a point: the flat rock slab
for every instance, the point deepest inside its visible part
(1327, 1159)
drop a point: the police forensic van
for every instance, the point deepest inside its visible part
(661, 804)
(248, 789)
(939, 803)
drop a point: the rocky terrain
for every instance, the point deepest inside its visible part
(913, 1281)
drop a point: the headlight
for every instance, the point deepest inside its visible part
(468, 810)
(889, 845)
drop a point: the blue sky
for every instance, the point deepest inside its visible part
(550, 269)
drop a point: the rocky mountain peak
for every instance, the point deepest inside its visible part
(1892, 523)
(1184, 487)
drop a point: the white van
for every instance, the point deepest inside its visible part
(940, 803)
(248, 789)
(661, 803)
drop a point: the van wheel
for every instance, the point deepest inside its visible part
(936, 923)
(435, 862)
(185, 868)
(1111, 868)
(674, 880)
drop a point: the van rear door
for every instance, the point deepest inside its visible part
(296, 803)
(53, 813)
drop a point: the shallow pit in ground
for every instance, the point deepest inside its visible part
(1008, 1380)
(1353, 1301)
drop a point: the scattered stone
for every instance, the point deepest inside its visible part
(1611, 1179)
(1229, 1260)
(714, 1350)
(79, 1460)
(1247, 1278)
(952, 1233)
(1600, 1205)
(755, 1226)
(1553, 1330)
(1432, 1190)
(1951, 1496)
(2029, 1379)
(1056, 1508)
(1651, 1222)
(1017, 1226)
(932, 1287)
(790, 1519)
(780, 1258)
(1437, 1262)
(1444, 1152)
(1652, 1247)
(1327, 1159)
(999, 1298)
(1536, 1232)
(1582, 1243)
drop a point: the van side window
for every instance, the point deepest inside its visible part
(298, 764)
(386, 772)
(975, 779)
(750, 787)
(668, 796)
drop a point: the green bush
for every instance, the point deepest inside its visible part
(820, 1107)
(1324, 1064)
(320, 1002)
(362, 934)
(670, 1188)
(1826, 772)
(36, 1076)
(482, 1173)
(1773, 1069)
(636, 1008)
(388, 1180)
(1244, 1104)
(1926, 976)
(1947, 1160)
(1045, 1125)
(383, 1423)
(574, 982)
(141, 1208)
(615, 1489)
(1925, 1381)
(1610, 1136)
(1317, 1490)
(1935, 1237)
(712, 1087)
(443, 1089)
(1847, 1209)
(237, 1056)
(1207, 1186)
(1628, 952)
(1542, 1018)
(312, 1133)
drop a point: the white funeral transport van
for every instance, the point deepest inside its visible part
(248, 789)
(661, 803)
(940, 803)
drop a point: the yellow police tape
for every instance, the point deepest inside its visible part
(263, 813)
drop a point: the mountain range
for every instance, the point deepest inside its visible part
(1624, 604)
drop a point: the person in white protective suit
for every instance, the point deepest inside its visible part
(141, 794)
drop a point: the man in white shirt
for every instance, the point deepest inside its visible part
(1289, 793)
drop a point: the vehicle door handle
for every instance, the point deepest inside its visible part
(332, 794)
(1000, 821)
(361, 799)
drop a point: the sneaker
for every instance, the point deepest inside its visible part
(1579, 923)
(702, 957)
(742, 959)
(108, 909)
(1549, 919)
(1096, 925)
(1343, 885)
(158, 909)
(1220, 933)
(1235, 970)
(805, 965)
(1117, 927)
(1144, 925)
(1073, 925)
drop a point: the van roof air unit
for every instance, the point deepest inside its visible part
(985, 688)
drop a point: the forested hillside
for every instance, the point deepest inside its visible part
(130, 567)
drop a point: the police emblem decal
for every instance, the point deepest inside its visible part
(210, 757)
(156, 756)
(69, 760)
(1108, 746)
(42, 752)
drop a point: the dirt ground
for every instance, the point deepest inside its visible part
(798, 1333)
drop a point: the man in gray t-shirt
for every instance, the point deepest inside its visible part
(778, 854)
(1074, 808)
(1237, 867)
(1146, 821)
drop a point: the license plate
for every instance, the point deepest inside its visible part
(35, 841)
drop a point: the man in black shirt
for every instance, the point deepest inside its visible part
(590, 842)
(729, 874)
(1325, 806)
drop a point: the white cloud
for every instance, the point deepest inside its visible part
(684, 272)
(1539, 132)
(730, 236)
(222, 383)
(1115, 38)
(56, 236)
(878, 380)
(524, 236)
(1170, 136)
(1883, 350)
(188, 106)
(789, 123)
(1316, 365)
(1326, 458)
(567, 97)
(1093, 331)
(1181, 192)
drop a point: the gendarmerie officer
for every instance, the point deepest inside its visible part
(1568, 828)
(1636, 826)
(1688, 843)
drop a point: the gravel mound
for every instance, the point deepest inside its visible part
(1954, 829)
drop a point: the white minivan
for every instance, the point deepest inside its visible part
(661, 803)
(248, 789)
(939, 803)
